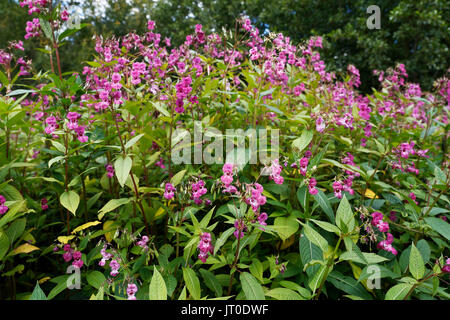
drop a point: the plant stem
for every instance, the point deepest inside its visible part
(236, 256)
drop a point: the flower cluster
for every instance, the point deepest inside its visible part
(446, 268)
(382, 226)
(303, 165)
(254, 196)
(105, 256)
(131, 291)
(240, 228)
(73, 125)
(227, 178)
(70, 254)
(312, 186)
(110, 170)
(205, 247)
(275, 172)
(387, 244)
(44, 204)
(32, 28)
(183, 90)
(115, 266)
(198, 190)
(169, 191)
(262, 217)
(143, 242)
(3, 208)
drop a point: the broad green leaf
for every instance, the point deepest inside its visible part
(192, 283)
(38, 294)
(416, 265)
(283, 294)
(222, 239)
(211, 282)
(324, 203)
(132, 141)
(122, 167)
(344, 216)
(251, 287)
(70, 200)
(315, 238)
(398, 292)
(303, 141)
(176, 179)
(317, 278)
(440, 226)
(327, 226)
(256, 269)
(96, 279)
(112, 205)
(285, 227)
(158, 289)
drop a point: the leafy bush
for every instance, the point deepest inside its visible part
(354, 207)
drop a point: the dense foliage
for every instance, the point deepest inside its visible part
(355, 206)
(413, 32)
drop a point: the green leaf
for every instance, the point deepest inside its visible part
(324, 203)
(256, 269)
(211, 282)
(327, 226)
(315, 238)
(176, 179)
(55, 159)
(285, 227)
(38, 294)
(130, 143)
(302, 196)
(60, 286)
(45, 26)
(318, 277)
(70, 200)
(96, 279)
(283, 294)
(344, 216)
(348, 285)
(192, 283)
(416, 265)
(371, 258)
(158, 289)
(398, 292)
(112, 205)
(440, 226)
(251, 287)
(222, 239)
(122, 167)
(303, 141)
(309, 252)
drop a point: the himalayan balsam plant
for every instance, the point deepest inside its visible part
(355, 206)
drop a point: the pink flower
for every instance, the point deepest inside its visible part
(151, 25)
(240, 228)
(131, 291)
(312, 186)
(205, 247)
(320, 124)
(169, 191)
(115, 266)
(44, 205)
(446, 268)
(64, 15)
(78, 263)
(303, 165)
(387, 244)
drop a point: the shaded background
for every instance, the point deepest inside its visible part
(413, 32)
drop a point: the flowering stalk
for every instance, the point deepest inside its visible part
(136, 191)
